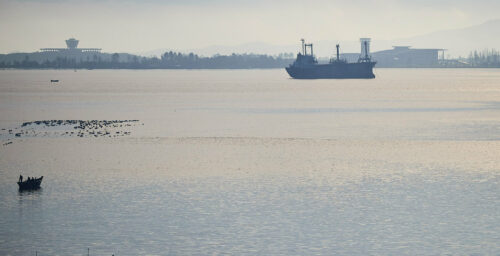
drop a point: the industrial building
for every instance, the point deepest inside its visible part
(406, 57)
(399, 57)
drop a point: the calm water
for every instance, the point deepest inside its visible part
(250, 162)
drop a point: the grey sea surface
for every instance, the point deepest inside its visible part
(251, 162)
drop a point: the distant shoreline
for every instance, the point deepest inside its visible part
(191, 61)
(257, 68)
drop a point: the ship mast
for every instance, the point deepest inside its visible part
(366, 50)
(303, 46)
(338, 54)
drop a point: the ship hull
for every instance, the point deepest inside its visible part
(335, 70)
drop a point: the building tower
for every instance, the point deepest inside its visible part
(72, 43)
(72, 48)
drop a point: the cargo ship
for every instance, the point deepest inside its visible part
(307, 67)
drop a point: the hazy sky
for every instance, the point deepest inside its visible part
(141, 25)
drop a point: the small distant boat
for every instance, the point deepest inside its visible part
(30, 184)
(54, 81)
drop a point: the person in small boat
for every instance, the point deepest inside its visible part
(20, 178)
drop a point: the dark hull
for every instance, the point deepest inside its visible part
(31, 184)
(333, 70)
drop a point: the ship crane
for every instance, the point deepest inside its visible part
(337, 59)
(365, 50)
(338, 52)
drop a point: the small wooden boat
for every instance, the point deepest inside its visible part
(30, 184)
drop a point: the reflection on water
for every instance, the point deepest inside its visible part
(483, 107)
(361, 110)
(397, 214)
(28, 200)
(251, 162)
(31, 193)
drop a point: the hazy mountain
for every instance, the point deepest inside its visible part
(458, 42)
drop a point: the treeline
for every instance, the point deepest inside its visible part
(169, 60)
(484, 59)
